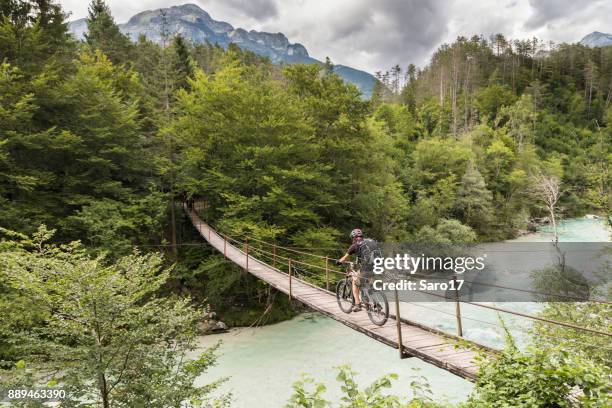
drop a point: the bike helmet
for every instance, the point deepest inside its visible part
(356, 233)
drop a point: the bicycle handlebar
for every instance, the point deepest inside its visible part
(350, 265)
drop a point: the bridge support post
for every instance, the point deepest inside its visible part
(457, 309)
(290, 285)
(225, 245)
(398, 324)
(327, 273)
(274, 255)
(247, 253)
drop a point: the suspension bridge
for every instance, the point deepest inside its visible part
(450, 352)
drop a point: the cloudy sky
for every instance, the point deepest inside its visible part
(373, 35)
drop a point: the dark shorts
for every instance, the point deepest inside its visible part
(367, 271)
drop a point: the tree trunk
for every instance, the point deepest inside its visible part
(101, 377)
(466, 91)
(441, 87)
(553, 219)
(454, 90)
(104, 390)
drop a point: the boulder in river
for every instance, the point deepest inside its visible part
(534, 223)
(209, 324)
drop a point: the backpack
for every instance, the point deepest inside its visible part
(368, 251)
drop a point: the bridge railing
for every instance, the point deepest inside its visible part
(320, 273)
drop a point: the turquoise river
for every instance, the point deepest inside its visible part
(262, 363)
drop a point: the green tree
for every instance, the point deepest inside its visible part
(16, 110)
(182, 64)
(448, 231)
(499, 159)
(540, 377)
(591, 315)
(34, 34)
(435, 159)
(521, 119)
(67, 144)
(253, 172)
(246, 149)
(107, 337)
(474, 199)
(24, 151)
(490, 100)
(409, 92)
(104, 34)
(357, 154)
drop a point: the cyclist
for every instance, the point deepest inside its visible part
(355, 249)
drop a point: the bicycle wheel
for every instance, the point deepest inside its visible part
(378, 310)
(344, 296)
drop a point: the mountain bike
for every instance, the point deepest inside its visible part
(374, 301)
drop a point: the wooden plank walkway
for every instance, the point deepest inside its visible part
(429, 345)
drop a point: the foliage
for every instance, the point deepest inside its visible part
(448, 231)
(56, 164)
(473, 201)
(33, 35)
(308, 394)
(549, 376)
(104, 35)
(106, 336)
(592, 315)
(517, 111)
(99, 139)
(545, 375)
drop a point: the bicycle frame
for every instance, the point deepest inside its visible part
(374, 307)
(365, 286)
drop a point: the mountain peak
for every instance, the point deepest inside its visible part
(597, 39)
(195, 24)
(190, 6)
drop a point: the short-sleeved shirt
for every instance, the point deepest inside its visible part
(354, 248)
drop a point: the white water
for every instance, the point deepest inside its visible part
(572, 230)
(262, 363)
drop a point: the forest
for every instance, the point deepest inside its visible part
(101, 141)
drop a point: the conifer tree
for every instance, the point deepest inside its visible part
(104, 34)
(182, 64)
(474, 199)
(32, 33)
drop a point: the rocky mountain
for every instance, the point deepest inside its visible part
(78, 28)
(195, 24)
(597, 39)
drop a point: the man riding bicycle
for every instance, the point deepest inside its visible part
(355, 249)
